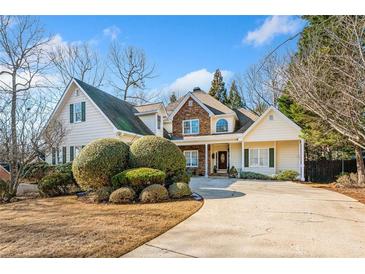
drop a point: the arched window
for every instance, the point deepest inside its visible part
(222, 125)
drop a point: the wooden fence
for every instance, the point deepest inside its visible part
(327, 170)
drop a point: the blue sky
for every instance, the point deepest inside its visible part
(185, 49)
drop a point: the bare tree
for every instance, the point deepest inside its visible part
(77, 60)
(130, 70)
(22, 63)
(330, 80)
(262, 84)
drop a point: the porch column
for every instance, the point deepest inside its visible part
(302, 178)
(206, 160)
(243, 155)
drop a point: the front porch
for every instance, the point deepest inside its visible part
(265, 157)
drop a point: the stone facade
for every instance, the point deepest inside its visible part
(200, 170)
(186, 112)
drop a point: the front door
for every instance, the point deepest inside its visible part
(222, 159)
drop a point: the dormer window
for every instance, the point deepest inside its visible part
(222, 125)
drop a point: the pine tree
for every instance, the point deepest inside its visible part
(218, 89)
(234, 99)
(173, 98)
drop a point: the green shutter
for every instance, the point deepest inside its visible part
(71, 153)
(71, 113)
(53, 156)
(246, 157)
(64, 152)
(83, 111)
(58, 155)
(271, 157)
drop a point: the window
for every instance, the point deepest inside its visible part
(259, 157)
(76, 92)
(221, 125)
(191, 126)
(271, 117)
(77, 112)
(190, 103)
(191, 157)
(77, 150)
(158, 122)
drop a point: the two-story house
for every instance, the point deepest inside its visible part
(212, 136)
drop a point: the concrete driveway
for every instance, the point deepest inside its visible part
(264, 219)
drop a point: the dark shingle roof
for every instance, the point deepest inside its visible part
(246, 119)
(119, 112)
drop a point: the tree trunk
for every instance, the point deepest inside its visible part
(360, 166)
(14, 143)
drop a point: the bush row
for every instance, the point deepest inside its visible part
(285, 175)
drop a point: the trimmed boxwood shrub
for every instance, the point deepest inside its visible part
(139, 178)
(122, 195)
(157, 152)
(56, 184)
(99, 161)
(102, 194)
(153, 194)
(179, 190)
(286, 175)
(233, 172)
(254, 175)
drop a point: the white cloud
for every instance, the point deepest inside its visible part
(273, 26)
(112, 32)
(200, 78)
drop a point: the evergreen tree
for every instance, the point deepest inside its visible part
(218, 89)
(234, 99)
(173, 97)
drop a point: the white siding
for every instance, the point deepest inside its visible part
(262, 170)
(277, 129)
(236, 156)
(230, 120)
(288, 156)
(150, 121)
(78, 134)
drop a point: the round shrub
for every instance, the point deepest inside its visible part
(101, 195)
(153, 194)
(122, 195)
(56, 184)
(139, 178)
(99, 161)
(157, 152)
(179, 190)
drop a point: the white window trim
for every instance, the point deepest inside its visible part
(197, 155)
(259, 149)
(217, 123)
(159, 124)
(74, 106)
(190, 120)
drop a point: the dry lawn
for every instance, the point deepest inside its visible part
(355, 193)
(67, 227)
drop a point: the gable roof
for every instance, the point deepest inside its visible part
(119, 112)
(148, 107)
(206, 101)
(213, 104)
(285, 118)
(246, 118)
